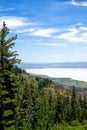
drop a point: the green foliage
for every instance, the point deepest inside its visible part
(75, 123)
(8, 84)
(62, 127)
(44, 82)
(84, 123)
(59, 117)
(73, 105)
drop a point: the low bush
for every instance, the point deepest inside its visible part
(75, 123)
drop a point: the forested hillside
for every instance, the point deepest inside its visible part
(33, 103)
(68, 83)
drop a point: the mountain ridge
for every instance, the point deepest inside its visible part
(53, 65)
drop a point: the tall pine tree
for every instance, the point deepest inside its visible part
(8, 80)
(73, 105)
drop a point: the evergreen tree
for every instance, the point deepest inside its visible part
(73, 105)
(24, 108)
(8, 84)
(68, 108)
(84, 108)
(79, 108)
(59, 112)
(43, 113)
(28, 106)
(52, 105)
(34, 94)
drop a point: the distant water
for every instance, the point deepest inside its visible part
(74, 73)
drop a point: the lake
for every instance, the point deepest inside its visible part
(74, 73)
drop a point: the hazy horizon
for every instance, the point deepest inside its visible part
(52, 62)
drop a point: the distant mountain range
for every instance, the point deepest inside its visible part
(53, 65)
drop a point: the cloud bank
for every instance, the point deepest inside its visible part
(74, 34)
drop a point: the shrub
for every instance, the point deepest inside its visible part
(75, 123)
(84, 123)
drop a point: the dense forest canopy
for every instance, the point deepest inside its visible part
(34, 103)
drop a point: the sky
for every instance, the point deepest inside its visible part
(47, 30)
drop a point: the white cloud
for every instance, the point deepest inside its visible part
(74, 35)
(52, 44)
(82, 28)
(37, 31)
(49, 44)
(14, 22)
(83, 3)
(48, 32)
(70, 32)
(6, 9)
(25, 30)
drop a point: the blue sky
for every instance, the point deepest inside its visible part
(48, 30)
